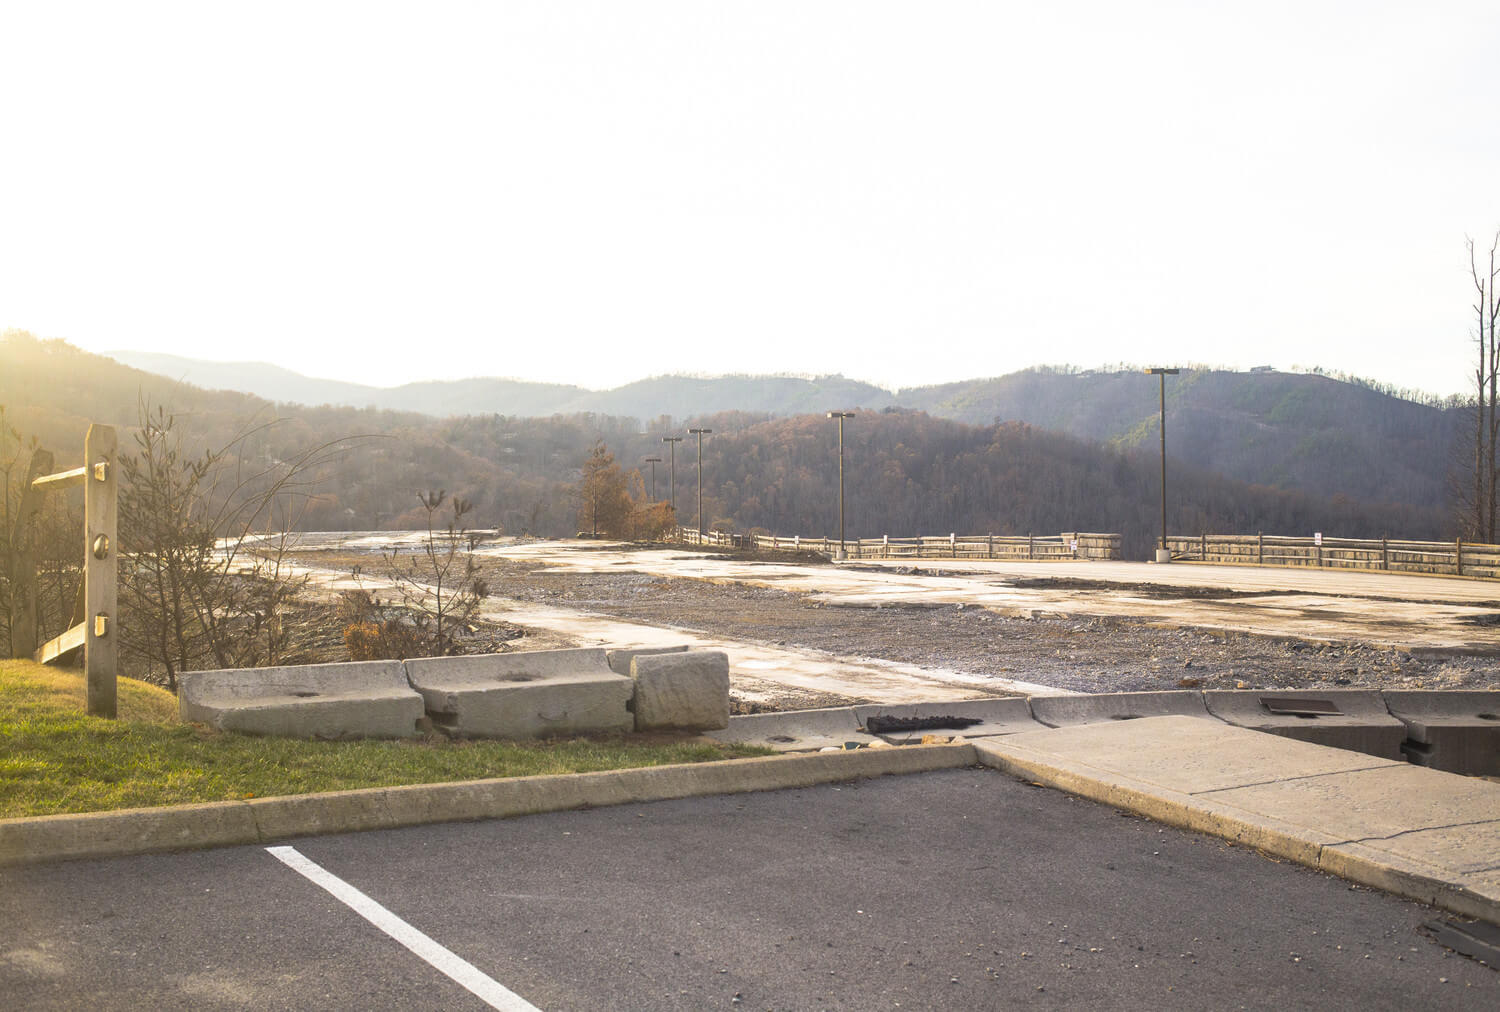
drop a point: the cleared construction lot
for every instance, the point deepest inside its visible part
(801, 632)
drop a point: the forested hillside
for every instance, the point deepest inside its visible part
(907, 472)
(1316, 434)
(1291, 430)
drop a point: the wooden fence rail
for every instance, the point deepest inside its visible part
(1458, 558)
(951, 546)
(91, 629)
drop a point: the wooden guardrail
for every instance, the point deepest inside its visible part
(951, 546)
(94, 612)
(1458, 558)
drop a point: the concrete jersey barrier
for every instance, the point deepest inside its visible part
(619, 660)
(1066, 711)
(1355, 719)
(1458, 732)
(796, 730)
(358, 699)
(1009, 715)
(684, 691)
(537, 694)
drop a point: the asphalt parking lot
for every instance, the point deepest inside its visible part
(958, 889)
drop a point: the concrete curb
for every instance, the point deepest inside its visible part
(266, 820)
(1347, 860)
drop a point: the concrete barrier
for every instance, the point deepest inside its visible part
(360, 699)
(686, 691)
(1458, 732)
(1068, 711)
(996, 716)
(619, 660)
(535, 694)
(795, 730)
(1354, 719)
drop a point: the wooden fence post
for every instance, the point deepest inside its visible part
(1458, 556)
(1030, 546)
(1260, 548)
(1203, 547)
(991, 542)
(953, 544)
(101, 540)
(1385, 554)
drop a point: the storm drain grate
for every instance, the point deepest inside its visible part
(893, 725)
(1293, 706)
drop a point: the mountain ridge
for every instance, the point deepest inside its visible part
(1303, 431)
(910, 471)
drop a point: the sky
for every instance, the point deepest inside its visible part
(903, 193)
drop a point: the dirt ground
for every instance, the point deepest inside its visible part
(1080, 654)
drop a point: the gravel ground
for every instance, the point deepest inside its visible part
(1081, 654)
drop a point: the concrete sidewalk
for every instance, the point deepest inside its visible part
(1420, 833)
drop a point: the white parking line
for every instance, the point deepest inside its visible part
(483, 987)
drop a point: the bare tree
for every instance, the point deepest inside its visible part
(1477, 498)
(204, 580)
(46, 540)
(440, 581)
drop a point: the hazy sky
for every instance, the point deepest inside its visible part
(905, 193)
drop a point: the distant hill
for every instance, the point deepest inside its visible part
(1286, 430)
(674, 396)
(685, 396)
(908, 471)
(439, 399)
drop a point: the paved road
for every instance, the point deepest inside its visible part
(962, 889)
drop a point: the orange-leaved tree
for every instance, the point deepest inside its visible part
(604, 505)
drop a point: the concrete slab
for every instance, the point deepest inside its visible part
(1421, 833)
(1454, 731)
(1362, 805)
(1067, 711)
(795, 730)
(997, 716)
(1470, 895)
(1013, 755)
(619, 660)
(686, 691)
(533, 694)
(1190, 754)
(360, 699)
(1360, 721)
(1469, 849)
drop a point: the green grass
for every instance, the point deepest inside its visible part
(54, 758)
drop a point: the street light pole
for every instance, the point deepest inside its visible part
(672, 441)
(841, 415)
(653, 461)
(1163, 554)
(700, 433)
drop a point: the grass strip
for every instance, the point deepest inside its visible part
(54, 758)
